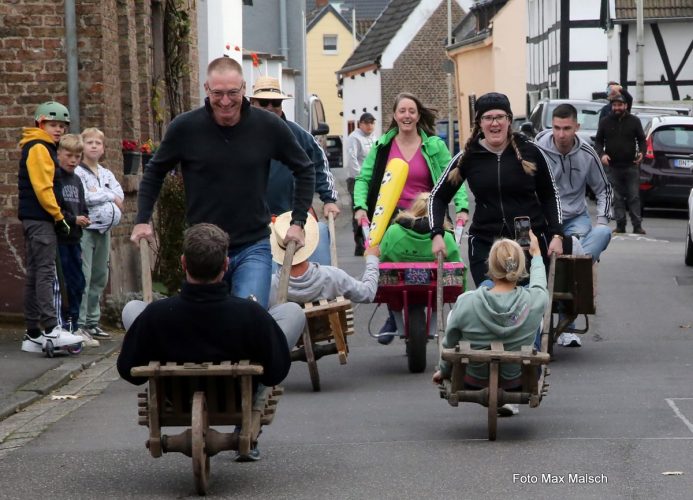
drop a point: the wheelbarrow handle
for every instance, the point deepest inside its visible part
(146, 270)
(333, 239)
(283, 290)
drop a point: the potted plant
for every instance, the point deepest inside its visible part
(148, 148)
(131, 157)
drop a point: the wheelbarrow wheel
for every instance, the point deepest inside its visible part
(199, 435)
(311, 361)
(492, 401)
(416, 342)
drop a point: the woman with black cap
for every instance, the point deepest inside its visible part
(509, 177)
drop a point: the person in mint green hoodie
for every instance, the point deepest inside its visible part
(506, 312)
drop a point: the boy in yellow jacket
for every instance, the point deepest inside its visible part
(41, 219)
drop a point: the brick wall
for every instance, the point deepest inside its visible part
(114, 42)
(420, 68)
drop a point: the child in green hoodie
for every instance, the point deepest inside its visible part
(506, 312)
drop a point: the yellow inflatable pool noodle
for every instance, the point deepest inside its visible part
(391, 188)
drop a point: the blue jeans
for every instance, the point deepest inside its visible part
(250, 271)
(594, 240)
(321, 255)
(73, 280)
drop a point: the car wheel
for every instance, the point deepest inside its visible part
(689, 246)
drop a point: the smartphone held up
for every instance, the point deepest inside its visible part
(522, 227)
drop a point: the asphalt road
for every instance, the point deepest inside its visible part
(619, 411)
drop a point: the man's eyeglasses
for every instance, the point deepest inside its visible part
(275, 103)
(488, 119)
(231, 94)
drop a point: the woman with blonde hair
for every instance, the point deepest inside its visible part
(507, 312)
(509, 177)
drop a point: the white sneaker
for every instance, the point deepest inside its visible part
(61, 337)
(567, 339)
(508, 410)
(89, 341)
(32, 345)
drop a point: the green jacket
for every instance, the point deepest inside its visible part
(481, 316)
(406, 244)
(434, 151)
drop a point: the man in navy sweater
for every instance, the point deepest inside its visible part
(280, 187)
(224, 150)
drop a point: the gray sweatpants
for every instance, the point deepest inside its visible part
(41, 244)
(289, 317)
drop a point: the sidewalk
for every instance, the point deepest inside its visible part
(26, 377)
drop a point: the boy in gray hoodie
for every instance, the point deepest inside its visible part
(574, 165)
(310, 281)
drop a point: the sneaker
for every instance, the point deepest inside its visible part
(387, 333)
(253, 456)
(508, 410)
(30, 344)
(97, 332)
(619, 230)
(639, 230)
(567, 339)
(89, 341)
(62, 337)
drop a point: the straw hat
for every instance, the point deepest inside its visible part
(267, 87)
(279, 229)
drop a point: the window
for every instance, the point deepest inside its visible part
(329, 43)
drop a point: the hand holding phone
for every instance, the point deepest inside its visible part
(522, 227)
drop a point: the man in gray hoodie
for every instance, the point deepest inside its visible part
(575, 165)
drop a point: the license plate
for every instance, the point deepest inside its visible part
(683, 163)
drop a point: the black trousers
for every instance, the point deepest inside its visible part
(356, 227)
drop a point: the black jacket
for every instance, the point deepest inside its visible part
(69, 192)
(502, 191)
(205, 324)
(29, 207)
(225, 170)
(622, 138)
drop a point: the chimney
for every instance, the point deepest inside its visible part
(321, 3)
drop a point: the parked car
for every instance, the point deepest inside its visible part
(689, 232)
(333, 150)
(588, 117)
(666, 172)
(646, 113)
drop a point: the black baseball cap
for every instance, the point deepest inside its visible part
(367, 118)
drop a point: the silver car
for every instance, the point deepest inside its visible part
(689, 231)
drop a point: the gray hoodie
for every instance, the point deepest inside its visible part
(328, 282)
(484, 316)
(580, 167)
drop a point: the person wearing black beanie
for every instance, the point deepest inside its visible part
(509, 177)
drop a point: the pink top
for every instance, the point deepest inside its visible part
(419, 178)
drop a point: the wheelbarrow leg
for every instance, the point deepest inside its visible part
(492, 400)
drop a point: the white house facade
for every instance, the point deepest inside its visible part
(567, 50)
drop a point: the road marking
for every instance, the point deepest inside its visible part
(633, 237)
(678, 413)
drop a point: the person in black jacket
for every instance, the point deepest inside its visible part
(206, 324)
(509, 177)
(224, 150)
(69, 192)
(620, 144)
(613, 89)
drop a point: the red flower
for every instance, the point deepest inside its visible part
(228, 46)
(256, 60)
(237, 48)
(129, 145)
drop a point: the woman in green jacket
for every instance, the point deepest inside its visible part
(411, 137)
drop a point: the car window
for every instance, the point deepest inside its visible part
(675, 137)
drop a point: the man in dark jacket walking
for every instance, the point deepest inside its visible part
(620, 144)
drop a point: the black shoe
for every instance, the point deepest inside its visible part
(253, 456)
(639, 230)
(619, 230)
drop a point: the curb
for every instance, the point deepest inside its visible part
(52, 379)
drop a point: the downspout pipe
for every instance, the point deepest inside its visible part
(72, 65)
(284, 39)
